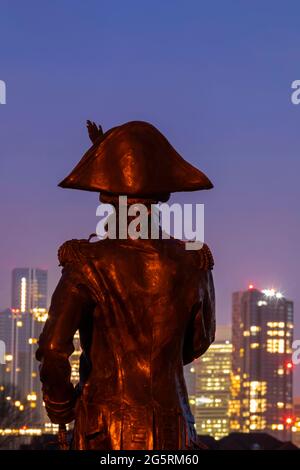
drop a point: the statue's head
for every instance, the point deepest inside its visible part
(136, 160)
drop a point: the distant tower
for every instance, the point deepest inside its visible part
(24, 322)
(29, 289)
(262, 378)
(208, 383)
(6, 335)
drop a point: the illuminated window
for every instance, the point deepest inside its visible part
(255, 328)
(275, 346)
(31, 397)
(32, 340)
(253, 406)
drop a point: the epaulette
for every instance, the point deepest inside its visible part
(206, 258)
(70, 251)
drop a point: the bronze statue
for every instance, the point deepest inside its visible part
(143, 307)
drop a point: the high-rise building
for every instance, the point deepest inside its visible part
(20, 327)
(29, 289)
(6, 325)
(262, 375)
(208, 384)
(19, 374)
(6, 328)
(27, 327)
(296, 422)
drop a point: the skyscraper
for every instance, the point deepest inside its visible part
(29, 289)
(262, 336)
(208, 383)
(21, 327)
(6, 325)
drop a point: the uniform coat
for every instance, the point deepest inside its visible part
(143, 308)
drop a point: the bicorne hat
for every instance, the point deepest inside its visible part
(133, 159)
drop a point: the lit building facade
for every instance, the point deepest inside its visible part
(29, 289)
(19, 375)
(208, 384)
(6, 325)
(262, 369)
(20, 328)
(296, 422)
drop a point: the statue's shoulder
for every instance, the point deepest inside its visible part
(74, 250)
(205, 259)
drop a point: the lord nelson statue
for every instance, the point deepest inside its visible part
(143, 307)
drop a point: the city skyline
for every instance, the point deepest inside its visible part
(215, 80)
(37, 283)
(20, 327)
(261, 321)
(221, 82)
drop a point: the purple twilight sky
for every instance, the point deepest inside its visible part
(214, 76)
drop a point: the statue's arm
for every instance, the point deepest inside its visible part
(69, 302)
(200, 332)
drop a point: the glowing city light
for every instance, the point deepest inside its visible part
(269, 292)
(31, 397)
(272, 293)
(23, 294)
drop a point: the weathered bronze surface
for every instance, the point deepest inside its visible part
(137, 160)
(143, 309)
